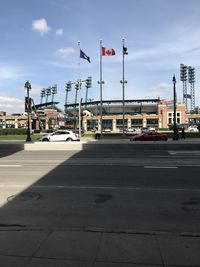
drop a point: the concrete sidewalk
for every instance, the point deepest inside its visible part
(97, 248)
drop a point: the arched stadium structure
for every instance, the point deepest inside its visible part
(139, 113)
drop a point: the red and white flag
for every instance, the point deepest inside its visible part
(108, 51)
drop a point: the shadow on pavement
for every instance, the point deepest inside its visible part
(7, 149)
(80, 207)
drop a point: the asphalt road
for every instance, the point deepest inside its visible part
(139, 191)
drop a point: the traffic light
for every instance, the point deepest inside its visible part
(89, 82)
(68, 86)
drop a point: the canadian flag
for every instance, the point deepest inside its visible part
(108, 51)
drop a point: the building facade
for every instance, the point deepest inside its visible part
(138, 114)
(159, 117)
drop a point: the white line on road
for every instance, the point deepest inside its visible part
(192, 152)
(66, 187)
(10, 166)
(160, 167)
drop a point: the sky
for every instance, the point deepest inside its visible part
(39, 43)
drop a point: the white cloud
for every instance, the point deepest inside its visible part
(178, 45)
(7, 72)
(41, 26)
(65, 52)
(11, 104)
(160, 87)
(59, 32)
(35, 90)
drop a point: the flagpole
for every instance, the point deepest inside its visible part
(100, 82)
(79, 92)
(124, 52)
(123, 84)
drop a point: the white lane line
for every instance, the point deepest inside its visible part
(160, 167)
(106, 188)
(192, 152)
(10, 166)
(172, 156)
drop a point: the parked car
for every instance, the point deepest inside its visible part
(107, 130)
(192, 129)
(151, 136)
(148, 129)
(129, 130)
(60, 135)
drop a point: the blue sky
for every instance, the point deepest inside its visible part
(39, 43)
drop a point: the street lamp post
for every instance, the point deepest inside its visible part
(28, 88)
(175, 137)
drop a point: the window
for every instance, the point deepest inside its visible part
(136, 122)
(107, 124)
(153, 121)
(119, 122)
(91, 124)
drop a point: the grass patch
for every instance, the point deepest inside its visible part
(34, 137)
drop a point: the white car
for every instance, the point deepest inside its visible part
(129, 130)
(107, 130)
(192, 129)
(60, 135)
(148, 129)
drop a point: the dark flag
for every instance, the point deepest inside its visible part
(125, 50)
(84, 56)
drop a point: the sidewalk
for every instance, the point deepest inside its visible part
(61, 248)
(104, 144)
(181, 144)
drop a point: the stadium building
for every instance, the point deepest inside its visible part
(138, 114)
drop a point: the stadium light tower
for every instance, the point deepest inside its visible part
(87, 85)
(68, 88)
(42, 95)
(48, 93)
(183, 78)
(53, 92)
(191, 81)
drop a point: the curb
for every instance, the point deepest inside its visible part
(101, 145)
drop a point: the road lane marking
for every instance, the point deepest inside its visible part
(192, 152)
(10, 166)
(160, 167)
(103, 188)
(172, 156)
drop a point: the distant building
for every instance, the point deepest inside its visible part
(138, 114)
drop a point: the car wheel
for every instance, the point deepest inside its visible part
(45, 140)
(69, 139)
